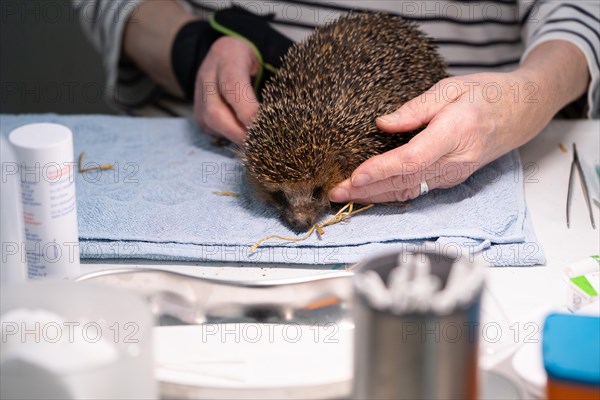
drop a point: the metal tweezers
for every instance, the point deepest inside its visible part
(576, 164)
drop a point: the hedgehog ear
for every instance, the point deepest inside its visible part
(342, 162)
(348, 163)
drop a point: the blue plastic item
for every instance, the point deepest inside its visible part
(571, 348)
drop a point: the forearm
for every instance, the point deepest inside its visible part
(149, 36)
(560, 72)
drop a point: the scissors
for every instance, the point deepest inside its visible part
(576, 165)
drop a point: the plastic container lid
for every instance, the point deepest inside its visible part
(43, 135)
(42, 144)
(571, 348)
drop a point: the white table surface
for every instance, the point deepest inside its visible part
(547, 175)
(515, 294)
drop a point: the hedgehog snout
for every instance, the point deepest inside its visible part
(301, 221)
(300, 204)
(303, 216)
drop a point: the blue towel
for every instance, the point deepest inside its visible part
(159, 203)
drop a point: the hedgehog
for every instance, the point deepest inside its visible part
(316, 122)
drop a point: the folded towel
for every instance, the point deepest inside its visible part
(159, 202)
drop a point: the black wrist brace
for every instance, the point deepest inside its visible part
(194, 40)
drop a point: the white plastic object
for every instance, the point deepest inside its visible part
(12, 266)
(44, 154)
(75, 340)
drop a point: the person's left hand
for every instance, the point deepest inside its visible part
(471, 120)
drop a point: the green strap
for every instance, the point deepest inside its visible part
(261, 64)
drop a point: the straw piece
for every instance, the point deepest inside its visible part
(344, 213)
(563, 148)
(226, 193)
(102, 167)
(80, 162)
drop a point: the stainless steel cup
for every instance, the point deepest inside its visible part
(417, 355)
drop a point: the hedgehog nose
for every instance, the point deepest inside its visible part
(302, 223)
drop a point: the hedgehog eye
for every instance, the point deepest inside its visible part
(279, 197)
(317, 192)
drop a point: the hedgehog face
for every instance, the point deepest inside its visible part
(296, 181)
(301, 204)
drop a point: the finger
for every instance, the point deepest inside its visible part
(397, 195)
(416, 112)
(236, 88)
(395, 183)
(216, 117)
(442, 174)
(422, 151)
(221, 119)
(345, 191)
(412, 114)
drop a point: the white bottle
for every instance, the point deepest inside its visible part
(13, 267)
(47, 172)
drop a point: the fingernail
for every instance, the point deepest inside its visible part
(360, 180)
(387, 119)
(338, 195)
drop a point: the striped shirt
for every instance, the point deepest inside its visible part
(472, 36)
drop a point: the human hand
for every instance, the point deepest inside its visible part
(224, 100)
(471, 120)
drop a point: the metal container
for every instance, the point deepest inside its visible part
(418, 355)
